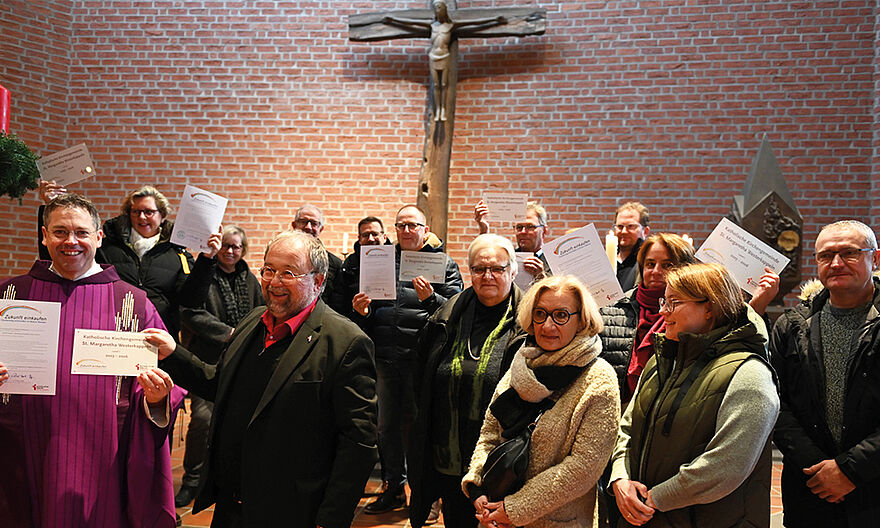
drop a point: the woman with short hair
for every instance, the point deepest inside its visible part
(557, 379)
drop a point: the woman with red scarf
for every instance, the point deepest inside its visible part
(629, 322)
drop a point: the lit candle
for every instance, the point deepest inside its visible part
(688, 239)
(5, 108)
(611, 249)
(345, 243)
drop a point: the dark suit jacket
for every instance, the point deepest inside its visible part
(311, 443)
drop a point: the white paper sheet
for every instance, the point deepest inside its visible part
(108, 353)
(744, 255)
(29, 345)
(506, 208)
(200, 215)
(431, 266)
(68, 166)
(523, 278)
(581, 253)
(377, 272)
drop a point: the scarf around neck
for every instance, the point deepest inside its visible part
(649, 315)
(535, 375)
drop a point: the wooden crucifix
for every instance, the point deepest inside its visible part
(443, 23)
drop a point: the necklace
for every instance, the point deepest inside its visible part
(475, 357)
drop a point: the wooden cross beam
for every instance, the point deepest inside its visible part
(443, 24)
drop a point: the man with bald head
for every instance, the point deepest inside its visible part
(293, 434)
(310, 219)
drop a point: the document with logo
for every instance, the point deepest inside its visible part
(200, 215)
(377, 272)
(744, 255)
(29, 345)
(109, 353)
(68, 166)
(431, 266)
(581, 253)
(523, 278)
(506, 208)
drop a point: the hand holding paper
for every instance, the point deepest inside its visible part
(157, 385)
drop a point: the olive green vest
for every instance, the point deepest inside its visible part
(673, 419)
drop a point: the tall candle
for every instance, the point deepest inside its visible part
(5, 108)
(611, 249)
(345, 243)
(688, 239)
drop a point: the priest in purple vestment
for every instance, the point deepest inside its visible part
(95, 454)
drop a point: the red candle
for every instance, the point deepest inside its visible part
(5, 105)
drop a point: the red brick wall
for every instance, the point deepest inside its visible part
(34, 65)
(269, 104)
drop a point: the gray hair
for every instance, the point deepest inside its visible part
(235, 230)
(490, 241)
(539, 211)
(854, 225)
(317, 254)
(309, 206)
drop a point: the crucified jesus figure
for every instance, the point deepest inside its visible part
(442, 31)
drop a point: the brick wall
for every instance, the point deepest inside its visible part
(269, 104)
(35, 59)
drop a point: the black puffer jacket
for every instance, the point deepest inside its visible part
(162, 272)
(620, 320)
(393, 325)
(802, 432)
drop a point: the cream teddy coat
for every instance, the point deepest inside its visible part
(572, 441)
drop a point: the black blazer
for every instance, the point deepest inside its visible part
(311, 442)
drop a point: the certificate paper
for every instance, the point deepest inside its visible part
(377, 272)
(199, 216)
(523, 278)
(744, 255)
(581, 253)
(68, 166)
(108, 353)
(29, 345)
(507, 208)
(431, 266)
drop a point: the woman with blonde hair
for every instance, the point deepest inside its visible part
(558, 379)
(693, 447)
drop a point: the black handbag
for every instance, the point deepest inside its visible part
(504, 471)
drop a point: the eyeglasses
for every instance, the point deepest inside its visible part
(63, 234)
(627, 227)
(671, 304)
(528, 228)
(408, 226)
(286, 276)
(850, 255)
(234, 247)
(366, 235)
(303, 222)
(146, 212)
(559, 316)
(496, 271)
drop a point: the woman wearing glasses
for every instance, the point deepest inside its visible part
(560, 377)
(137, 243)
(693, 447)
(464, 350)
(232, 292)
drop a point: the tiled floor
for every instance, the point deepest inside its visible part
(397, 518)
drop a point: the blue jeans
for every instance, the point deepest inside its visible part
(397, 410)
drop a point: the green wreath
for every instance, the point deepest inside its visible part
(18, 167)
